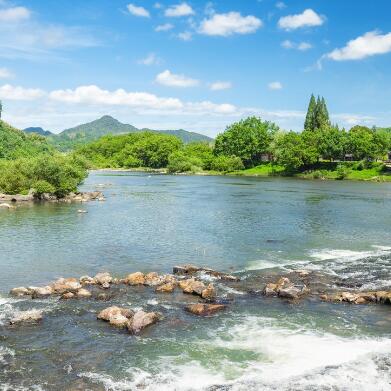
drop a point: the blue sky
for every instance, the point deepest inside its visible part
(196, 65)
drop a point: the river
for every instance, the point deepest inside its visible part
(252, 227)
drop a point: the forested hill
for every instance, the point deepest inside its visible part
(85, 133)
(15, 143)
(38, 130)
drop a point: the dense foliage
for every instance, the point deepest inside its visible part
(247, 139)
(28, 162)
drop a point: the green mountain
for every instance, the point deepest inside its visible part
(15, 143)
(38, 130)
(91, 131)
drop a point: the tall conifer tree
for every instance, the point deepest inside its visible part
(310, 117)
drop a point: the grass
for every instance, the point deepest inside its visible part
(266, 169)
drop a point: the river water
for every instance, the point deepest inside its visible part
(253, 227)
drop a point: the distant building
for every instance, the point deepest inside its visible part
(348, 157)
(266, 157)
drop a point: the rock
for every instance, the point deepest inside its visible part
(141, 320)
(192, 286)
(87, 280)
(63, 285)
(381, 297)
(209, 293)
(152, 279)
(83, 293)
(27, 316)
(169, 287)
(119, 320)
(106, 285)
(17, 197)
(109, 312)
(20, 291)
(81, 211)
(68, 295)
(41, 292)
(103, 297)
(191, 270)
(202, 309)
(303, 272)
(285, 288)
(5, 206)
(102, 278)
(137, 278)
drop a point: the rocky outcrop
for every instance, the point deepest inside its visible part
(191, 270)
(286, 289)
(103, 278)
(71, 197)
(87, 280)
(203, 309)
(141, 320)
(110, 312)
(20, 291)
(63, 285)
(379, 297)
(30, 316)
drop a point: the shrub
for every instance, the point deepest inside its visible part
(180, 162)
(227, 163)
(342, 171)
(41, 187)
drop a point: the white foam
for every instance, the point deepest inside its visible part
(331, 254)
(4, 353)
(273, 358)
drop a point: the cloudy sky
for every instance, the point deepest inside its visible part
(196, 65)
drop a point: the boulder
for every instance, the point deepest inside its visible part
(141, 320)
(381, 297)
(169, 287)
(41, 292)
(20, 291)
(109, 312)
(105, 285)
(27, 316)
(5, 206)
(152, 279)
(119, 320)
(192, 286)
(87, 280)
(209, 293)
(63, 285)
(137, 278)
(203, 309)
(103, 278)
(83, 293)
(285, 288)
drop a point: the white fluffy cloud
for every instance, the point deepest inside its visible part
(138, 11)
(275, 85)
(182, 9)
(150, 59)
(166, 78)
(164, 27)
(95, 95)
(9, 92)
(302, 46)
(220, 85)
(229, 24)
(308, 18)
(5, 73)
(15, 14)
(369, 44)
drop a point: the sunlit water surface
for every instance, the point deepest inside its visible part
(248, 226)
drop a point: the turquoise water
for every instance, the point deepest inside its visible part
(249, 226)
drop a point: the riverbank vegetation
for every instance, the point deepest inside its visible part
(29, 164)
(255, 147)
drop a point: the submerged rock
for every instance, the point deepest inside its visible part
(380, 297)
(83, 293)
(141, 320)
(5, 206)
(27, 317)
(203, 309)
(191, 270)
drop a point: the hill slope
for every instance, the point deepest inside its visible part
(38, 130)
(91, 131)
(14, 143)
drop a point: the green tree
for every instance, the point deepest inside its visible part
(365, 143)
(247, 139)
(332, 143)
(310, 117)
(292, 151)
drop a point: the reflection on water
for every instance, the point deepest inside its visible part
(250, 225)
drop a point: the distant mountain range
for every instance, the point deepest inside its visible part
(85, 133)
